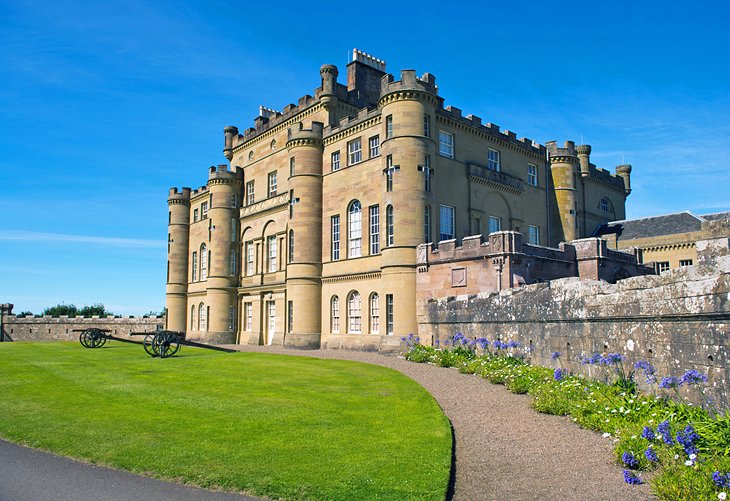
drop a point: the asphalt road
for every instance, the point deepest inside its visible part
(31, 475)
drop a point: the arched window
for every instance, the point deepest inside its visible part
(203, 262)
(354, 229)
(202, 325)
(193, 319)
(427, 224)
(291, 246)
(250, 155)
(273, 144)
(335, 307)
(354, 313)
(389, 225)
(374, 313)
(605, 205)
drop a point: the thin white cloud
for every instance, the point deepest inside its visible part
(34, 236)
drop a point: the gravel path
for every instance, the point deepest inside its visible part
(505, 449)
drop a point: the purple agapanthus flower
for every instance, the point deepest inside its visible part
(629, 460)
(594, 359)
(687, 439)
(670, 382)
(555, 355)
(648, 370)
(721, 480)
(693, 377)
(651, 455)
(513, 344)
(665, 431)
(560, 374)
(613, 359)
(631, 478)
(648, 433)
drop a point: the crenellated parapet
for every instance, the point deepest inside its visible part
(299, 136)
(181, 197)
(221, 175)
(409, 87)
(566, 154)
(471, 123)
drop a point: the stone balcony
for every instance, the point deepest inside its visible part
(495, 179)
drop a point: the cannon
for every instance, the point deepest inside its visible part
(163, 344)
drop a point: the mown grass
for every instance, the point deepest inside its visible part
(277, 426)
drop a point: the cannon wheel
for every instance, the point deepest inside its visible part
(149, 346)
(165, 344)
(84, 338)
(96, 338)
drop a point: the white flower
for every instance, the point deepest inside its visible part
(676, 456)
(633, 436)
(722, 496)
(606, 435)
(689, 462)
(693, 456)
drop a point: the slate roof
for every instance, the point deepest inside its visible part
(716, 216)
(669, 224)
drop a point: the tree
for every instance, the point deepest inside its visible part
(72, 311)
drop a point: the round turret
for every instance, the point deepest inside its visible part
(329, 73)
(563, 167)
(624, 171)
(177, 258)
(584, 154)
(304, 238)
(229, 132)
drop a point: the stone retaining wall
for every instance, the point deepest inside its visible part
(679, 320)
(62, 328)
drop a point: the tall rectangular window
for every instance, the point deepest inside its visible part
(231, 318)
(196, 216)
(354, 151)
(292, 166)
(195, 266)
(248, 309)
(290, 316)
(374, 314)
(493, 160)
(532, 175)
(446, 223)
(495, 224)
(427, 125)
(233, 262)
(271, 306)
(335, 315)
(249, 258)
(427, 173)
(354, 230)
(272, 184)
(234, 200)
(291, 246)
(427, 224)
(533, 235)
(374, 229)
(389, 314)
(203, 263)
(234, 230)
(662, 266)
(389, 173)
(389, 126)
(446, 144)
(389, 226)
(335, 160)
(374, 144)
(335, 238)
(271, 241)
(204, 210)
(249, 193)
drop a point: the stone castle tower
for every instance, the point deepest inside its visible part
(310, 237)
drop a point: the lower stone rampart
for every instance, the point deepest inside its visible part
(679, 320)
(61, 328)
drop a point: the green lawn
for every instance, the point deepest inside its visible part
(279, 426)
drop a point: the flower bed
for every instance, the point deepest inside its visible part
(681, 450)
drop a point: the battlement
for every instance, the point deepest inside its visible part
(298, 132)
(567, 151)
(222, 172)
(199, 191)
(372, 61)
(408, 81)
(363, 114)
(491, 129)
(179, 197)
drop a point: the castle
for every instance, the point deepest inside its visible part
(310, 238)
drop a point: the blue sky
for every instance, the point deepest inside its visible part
(105, 105)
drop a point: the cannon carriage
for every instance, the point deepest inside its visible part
(162, 344)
